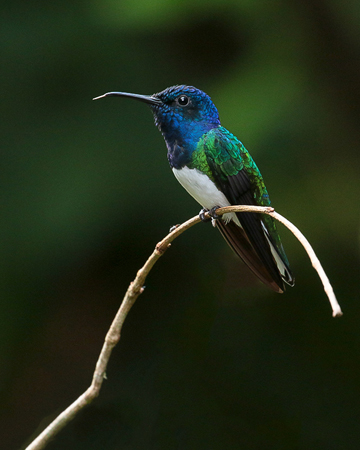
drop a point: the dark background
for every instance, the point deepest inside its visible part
(209, 358)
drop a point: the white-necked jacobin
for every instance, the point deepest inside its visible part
(217, 170)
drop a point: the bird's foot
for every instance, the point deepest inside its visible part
(211, 212)
(202, 215)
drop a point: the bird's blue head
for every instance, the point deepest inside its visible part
(182, 113)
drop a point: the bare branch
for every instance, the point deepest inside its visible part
(314, 261)
(304, 242)
(133, 292)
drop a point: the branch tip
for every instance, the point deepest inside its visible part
(337, 313)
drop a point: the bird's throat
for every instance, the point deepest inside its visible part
(181, 146)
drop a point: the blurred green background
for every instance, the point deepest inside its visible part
(209, 358)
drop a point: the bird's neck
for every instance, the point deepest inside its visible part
(182, 143)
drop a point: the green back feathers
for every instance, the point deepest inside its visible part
(227, 156)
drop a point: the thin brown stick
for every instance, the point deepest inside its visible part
(309, 250)
(133, 292)
(314, 261)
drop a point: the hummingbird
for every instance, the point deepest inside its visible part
(215, 168)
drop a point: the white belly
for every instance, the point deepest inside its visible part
(203, 190)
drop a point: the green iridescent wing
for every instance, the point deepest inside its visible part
(227, 162)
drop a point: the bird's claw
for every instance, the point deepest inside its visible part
(202, 215)
(211, 213)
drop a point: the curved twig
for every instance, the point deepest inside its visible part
(133, 292)
(305, 243)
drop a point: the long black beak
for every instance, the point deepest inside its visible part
(150, 99)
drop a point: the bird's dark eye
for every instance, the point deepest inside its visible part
(183, 100)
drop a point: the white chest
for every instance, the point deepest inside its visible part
(203, 190)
